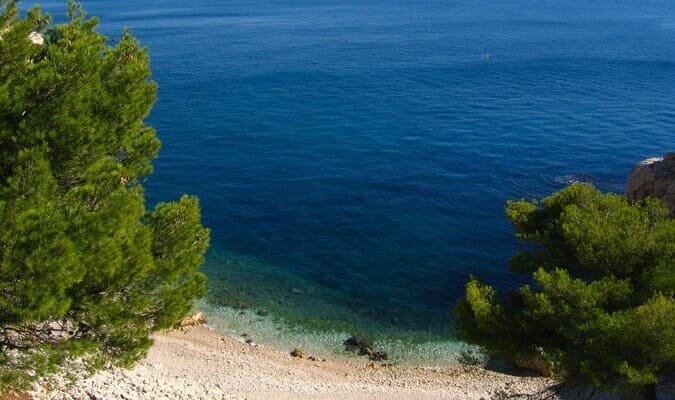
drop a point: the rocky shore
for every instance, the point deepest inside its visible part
(195, 362)
(198, 363)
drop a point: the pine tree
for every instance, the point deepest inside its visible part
(85, 271)
(601, 309)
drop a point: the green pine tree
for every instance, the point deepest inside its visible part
(601, 309)
(85, 270)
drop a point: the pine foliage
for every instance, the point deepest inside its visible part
(85, 270)
(601, 307)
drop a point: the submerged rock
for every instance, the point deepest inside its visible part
(654, 177)
(359, 345)
(363, 347)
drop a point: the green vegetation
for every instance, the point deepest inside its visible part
(601, 309)
(85, 271)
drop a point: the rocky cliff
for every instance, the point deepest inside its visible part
(654, 177)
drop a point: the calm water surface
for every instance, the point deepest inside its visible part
(353, 158)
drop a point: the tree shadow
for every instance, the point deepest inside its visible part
(563, 391)
(558, 391)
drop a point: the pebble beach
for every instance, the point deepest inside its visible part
(199, 363)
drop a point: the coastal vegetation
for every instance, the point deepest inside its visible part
(86, 271)
(600, 308)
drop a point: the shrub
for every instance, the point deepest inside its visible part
(600, 309)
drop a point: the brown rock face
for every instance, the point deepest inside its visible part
(654, 177)
(193, 320)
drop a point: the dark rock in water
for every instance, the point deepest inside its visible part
(359, 345)
(262, 313)
(298, 353)
(379, 356)
(363, 347)
(573, 178)
(249, 341)
(654, 177)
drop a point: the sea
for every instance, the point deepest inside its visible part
(353, 158)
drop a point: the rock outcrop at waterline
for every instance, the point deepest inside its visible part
(193, 320)
(654, 177)
(363, 347)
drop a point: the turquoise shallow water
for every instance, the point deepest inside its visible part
(353, 158)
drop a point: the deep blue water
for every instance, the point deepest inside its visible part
(353, 158)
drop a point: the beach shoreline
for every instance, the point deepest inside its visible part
(199, 363)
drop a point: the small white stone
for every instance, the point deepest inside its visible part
(36, 38)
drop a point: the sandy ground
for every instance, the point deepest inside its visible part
(197, 363)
